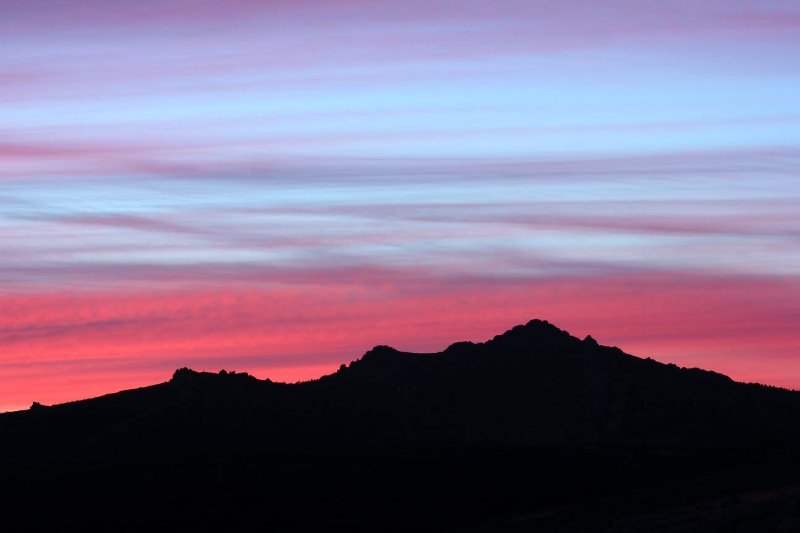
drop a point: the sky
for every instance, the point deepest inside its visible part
(276, 186)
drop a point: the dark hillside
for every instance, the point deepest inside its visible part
(406, 441)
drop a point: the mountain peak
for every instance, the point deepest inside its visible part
(535, 333)
(381, 350)
(377, 357)
(186, 375)
(183, 375)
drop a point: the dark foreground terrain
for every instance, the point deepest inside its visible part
(534, 430)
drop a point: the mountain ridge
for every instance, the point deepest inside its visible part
(530, 374)
(536, 332)
(533, 429)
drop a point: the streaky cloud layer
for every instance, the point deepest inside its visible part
(277, 186)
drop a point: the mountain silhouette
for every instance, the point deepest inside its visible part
(532, 430)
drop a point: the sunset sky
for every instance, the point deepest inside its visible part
(276, 186)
